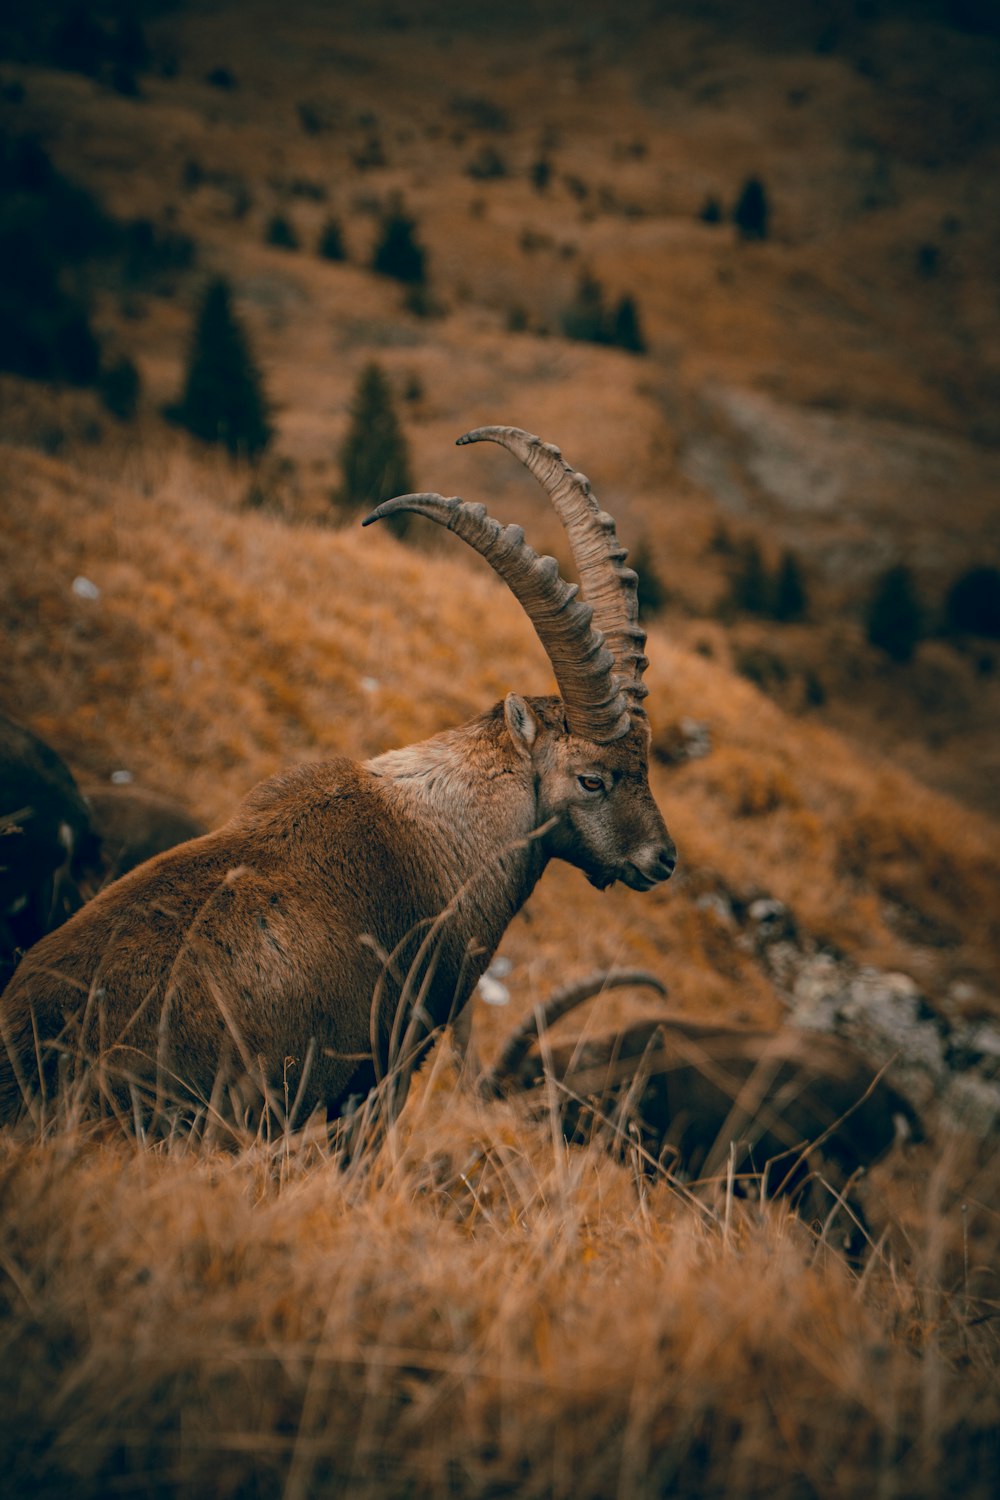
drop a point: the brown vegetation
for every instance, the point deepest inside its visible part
(481, 1308)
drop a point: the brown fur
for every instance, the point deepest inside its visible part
(44, 824)
(255, 952)
(133, 825)
(59, 845)
(790, 1108)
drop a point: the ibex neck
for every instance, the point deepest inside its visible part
(472, 798)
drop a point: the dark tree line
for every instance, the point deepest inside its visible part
(590, 319)
(755, 589)
(896, 620)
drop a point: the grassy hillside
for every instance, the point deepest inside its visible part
(480, 1309)
(483, 1312)
(225, 645)
(829, 388)
(470, 1311)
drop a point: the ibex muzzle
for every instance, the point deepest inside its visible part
(315, 942)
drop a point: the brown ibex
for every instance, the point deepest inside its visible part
(795, 1112)
(59, 845)
(44, 828)
(346, 911)
(132, 825)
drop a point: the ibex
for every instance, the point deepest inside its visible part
(346, 911)
(44, 828)
(787, 1108)
(59, 844)
(132, 825)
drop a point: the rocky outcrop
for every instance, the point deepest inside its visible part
(944, 1062)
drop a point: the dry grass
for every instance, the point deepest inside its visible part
(475, 1310)
(478, 1309)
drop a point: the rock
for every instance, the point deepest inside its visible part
(942, 1057)
(718, 905)
(772, 922)
(972, 1103)
(885, 1016)
(687, 739)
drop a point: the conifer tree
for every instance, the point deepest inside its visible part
(120, 385)
(331, 242)
(789, 590)
(749, 588)
(972, 606)
(398, 253)
(752, 210)
(541, 174)
(625, 330)
(223, 399)
(375, 458)
(652, 593)
(894, 616)
(586, 317)
(281, 233)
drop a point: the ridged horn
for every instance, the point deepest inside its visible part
(559, 1004)
(610, 588)
(595, 708)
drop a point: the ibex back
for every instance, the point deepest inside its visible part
(785, 1111)
(346, 911)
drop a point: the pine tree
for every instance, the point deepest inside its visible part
(625, 330)
(331, 241)
(749, 586)
(541, 174)
(972, 606)
(120, 385)
(79, 43)
(398, 253)
(894, 616)
(223, 400)
(789, 590)
(752, 210)
(280, 232)
(47, 223)
(586, 318)
(128, 45)
(374, 458)
(651, 593)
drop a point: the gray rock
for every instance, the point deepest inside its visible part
(971, 1102)
(955, 1070)
(718, 906)
(697, 739)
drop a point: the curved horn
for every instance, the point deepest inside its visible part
(608, 586)
(559, 1004)
(595, 708)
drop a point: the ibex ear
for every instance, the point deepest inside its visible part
(521, 722)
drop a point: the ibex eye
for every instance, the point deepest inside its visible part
(591, 783)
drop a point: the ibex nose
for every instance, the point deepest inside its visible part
(656, 862)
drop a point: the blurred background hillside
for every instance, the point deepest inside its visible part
(261, 265)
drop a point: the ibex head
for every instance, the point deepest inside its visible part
(588, 750)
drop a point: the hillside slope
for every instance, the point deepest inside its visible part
(224, 645)
(830, 387)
